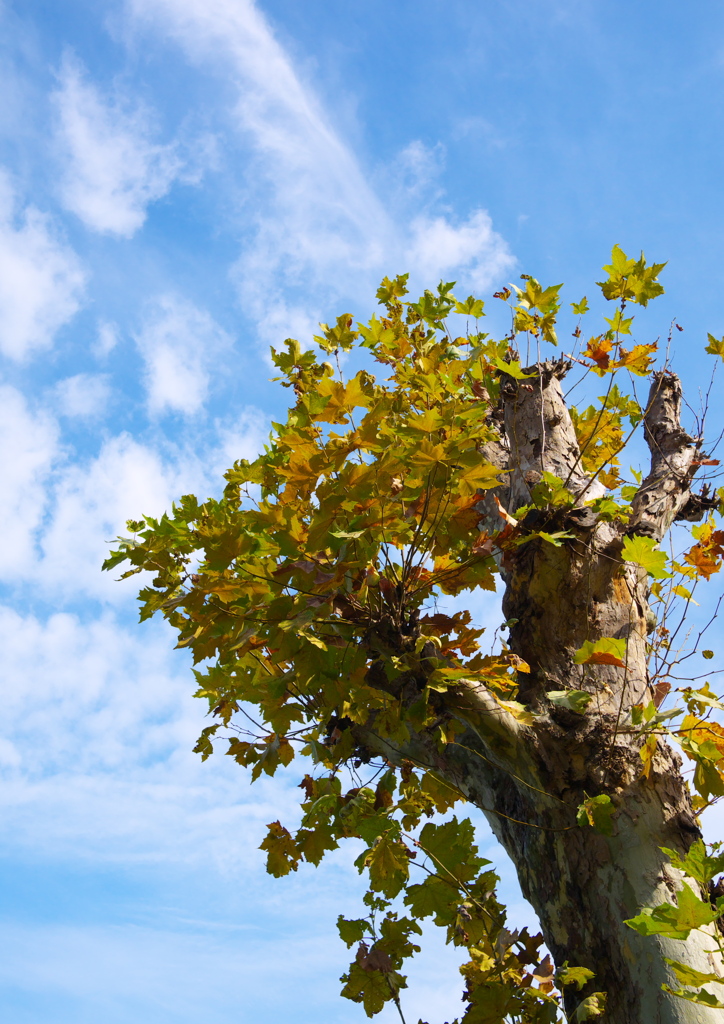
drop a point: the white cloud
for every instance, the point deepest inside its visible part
(85, 394)
(242, 439)
(28, 448)
(59, 516)
(112, 167)
(101, 722)
(41, 278)
(322, 230)
(179, 343)
(107, 339)
(472, 251)
(89, 505)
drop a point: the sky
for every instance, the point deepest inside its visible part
(182, 184)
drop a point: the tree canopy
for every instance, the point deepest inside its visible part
(310, 595)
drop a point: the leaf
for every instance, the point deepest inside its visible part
(282, 855)
(599, 349)
(371, 988)
(697, 863)
(434, 897)
(688, 975)
(715, 346)
(470, 307)
(204, 745)
(597, 812)
(578, 976)
(579, 308)
(631, 279)
(574, 700)
(490, 1003)
(646, 753)
(607, 650)
(351, 931)
(644, 552)
(591, 1007)
(387, 861)
(676, 922)
(703, 998)
(512, 368)
(478, 477)
(638, 360)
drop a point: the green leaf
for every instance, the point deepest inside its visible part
(702, 998)
(676, 922)
(578, 976)
(631, 279)
(644, 552)
(204, 745)
(592, 1007)
(574, 700)
(512, 368)
(688, 976)
(351, 931)
(388, 863)
(607, 650)
(393, 289)
(282, 854)
(579, 308)
(697, 863)
(435, 896)
(371, 988)
(597, 812)
(470, 307)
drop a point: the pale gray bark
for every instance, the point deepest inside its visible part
(582, 884)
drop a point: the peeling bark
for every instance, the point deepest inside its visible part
(529, 780)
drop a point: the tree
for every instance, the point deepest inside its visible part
(312, 591)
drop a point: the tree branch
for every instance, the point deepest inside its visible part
(665, 494)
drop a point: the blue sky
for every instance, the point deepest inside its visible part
(182, 183)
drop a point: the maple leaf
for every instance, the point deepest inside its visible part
(388, 863)
(643, 551)
(598, 349)
(607, 650)
(638, 360)
(675, 921)
(715, 346)
(282, 854)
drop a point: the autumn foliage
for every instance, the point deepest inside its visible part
(324, 593)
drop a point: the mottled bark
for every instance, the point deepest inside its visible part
(530, 779)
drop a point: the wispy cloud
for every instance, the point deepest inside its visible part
(112, 166)
(41, 278)
(83, 395)
(323, 229)
(28, 448)
(178, 344)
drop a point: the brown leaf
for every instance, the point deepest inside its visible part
(543, 974)
(483, 544)
(604, 658)
(307, 784)
(373, 959)
(397, 485)
(661, 691)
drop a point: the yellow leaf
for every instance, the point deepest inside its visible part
(647, 755)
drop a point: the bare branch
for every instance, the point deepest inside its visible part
(665, 494)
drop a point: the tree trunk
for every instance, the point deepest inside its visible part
(530, 779)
